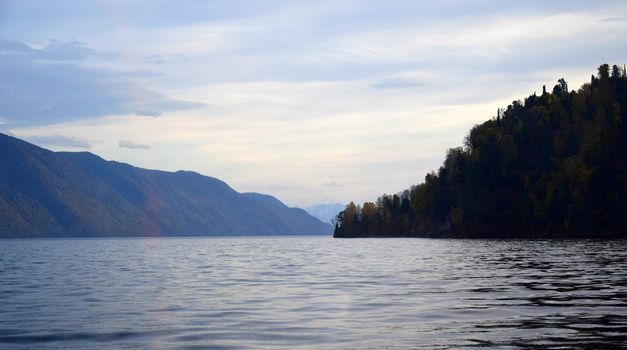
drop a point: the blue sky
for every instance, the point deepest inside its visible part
(310, 101)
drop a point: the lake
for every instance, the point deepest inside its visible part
(312, 293)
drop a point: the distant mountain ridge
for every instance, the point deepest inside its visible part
(326, 212)
(79, 194)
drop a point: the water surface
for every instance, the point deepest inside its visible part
(312, 293)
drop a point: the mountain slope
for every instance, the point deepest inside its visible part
(326, 212)
(553, 165)
(279, 212)
(60, 194)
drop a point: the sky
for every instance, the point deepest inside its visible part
(309, 101)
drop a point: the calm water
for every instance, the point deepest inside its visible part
(312, 293)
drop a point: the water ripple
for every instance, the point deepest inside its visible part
(312, 293)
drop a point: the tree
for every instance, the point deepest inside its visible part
(561, 87)
(349, 216)
(604, 71)
(369, 214)
(553, 166)
(616, 73)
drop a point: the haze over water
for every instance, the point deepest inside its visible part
(312, 293)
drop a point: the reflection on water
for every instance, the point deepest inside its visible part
(312, 293)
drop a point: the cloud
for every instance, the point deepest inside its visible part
(276, 187)
(7, 46)
(147, 113)
(132, 145)
(272, 188)
(59, 140)
(72, 50)
(154, 106)
(330, 93)
(613, 19)
(54, 51)
(54, 83)
(7, 132)
(397, 84)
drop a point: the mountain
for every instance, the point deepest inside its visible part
(326, 212)
(67, 194)
(553, 165)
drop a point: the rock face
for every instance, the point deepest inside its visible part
(67, 194)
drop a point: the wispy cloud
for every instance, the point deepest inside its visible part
(310, 101)
(132, 145)
(60, 140)
(51, 84)
(613, 19)
(396, 84)
(72, 50)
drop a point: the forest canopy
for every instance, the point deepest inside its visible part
(553, 165)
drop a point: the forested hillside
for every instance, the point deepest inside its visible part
(553, 165)
(66, 194)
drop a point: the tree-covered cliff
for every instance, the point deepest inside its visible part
(553, 165)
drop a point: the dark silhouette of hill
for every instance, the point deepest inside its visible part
(553, 165)
(66, 194)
